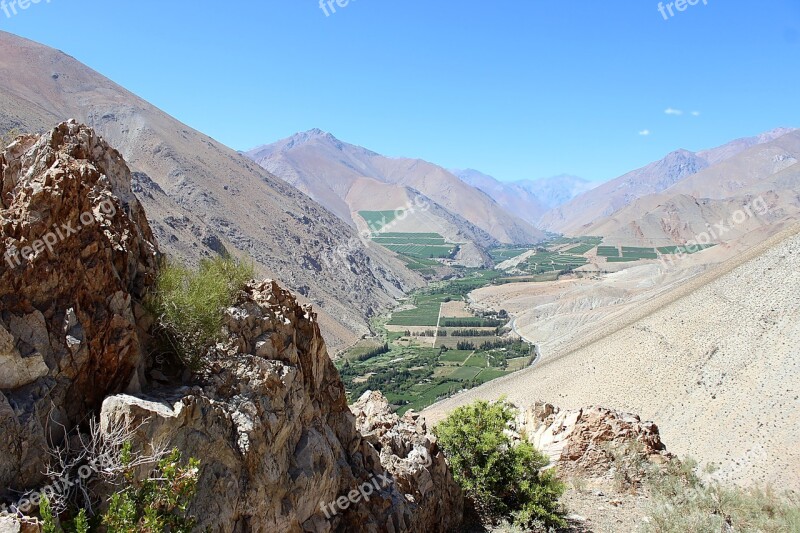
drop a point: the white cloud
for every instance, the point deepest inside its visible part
(673, 111)
(695, 113)
(644, 133)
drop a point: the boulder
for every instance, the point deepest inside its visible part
(581, 442)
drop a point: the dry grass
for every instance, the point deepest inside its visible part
(683, 503)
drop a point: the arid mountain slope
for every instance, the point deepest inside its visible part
(760, 184)
(201, 196)
(347, 179)
(577, 216)
(513, 198)
(715, 361)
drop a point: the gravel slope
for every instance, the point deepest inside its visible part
(715, 363)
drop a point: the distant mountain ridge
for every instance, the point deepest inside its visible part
(766, 174)
(347, 179)
(578, 215)
(527, 199)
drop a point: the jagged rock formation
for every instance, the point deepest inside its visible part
(406, 447)
(278, 441)
(268, 420)
(77, 253)
(581, 442)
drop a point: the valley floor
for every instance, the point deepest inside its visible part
(715, 360)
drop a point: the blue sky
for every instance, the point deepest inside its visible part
(517, 89)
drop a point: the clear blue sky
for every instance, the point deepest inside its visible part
(517, 89)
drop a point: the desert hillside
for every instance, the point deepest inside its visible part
(203, 198)
(348, 179)
(765, 175)
(715, 361)
(732, 166)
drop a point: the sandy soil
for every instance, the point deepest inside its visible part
(455, 309)
(713, 360)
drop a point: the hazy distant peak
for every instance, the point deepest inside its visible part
(771, 135)
(314, 134)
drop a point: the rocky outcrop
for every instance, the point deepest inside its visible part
(582, 442)
(76, 255)
(269, 421)
(410, 453)
(279, 445)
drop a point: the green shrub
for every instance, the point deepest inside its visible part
(503, 479)
(46, 512)
(8, 137)
(682, 502)
(81, 524)
(159, 503)
(189, 305)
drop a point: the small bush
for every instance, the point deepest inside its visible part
(503, 479)
(630, 466)
(159, 503)
(46, 513)
(682, 502)
(8, 137)
(189, 306)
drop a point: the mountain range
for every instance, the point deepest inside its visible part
(347, 179)
(293, 205)
(726, 169)
(527, 199)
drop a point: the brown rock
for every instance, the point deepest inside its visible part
(277, 440)
(580, 442)
(76, 250)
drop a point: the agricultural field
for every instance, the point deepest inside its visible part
(504, 253)
(396, 235)
(417, 246)
(630, 254)
(639, 253)
(422, 251)
(425, 267)
(673, 250)
(470, 322)
(413, 374)
(584, 245)
(608, 251)
(542, 262)
(553, 258)
(424, 313)
(538, 278)
(581, 249)
(452, 343)
(456, 309)
(414, 378)
(409, 238)
(378, 219)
